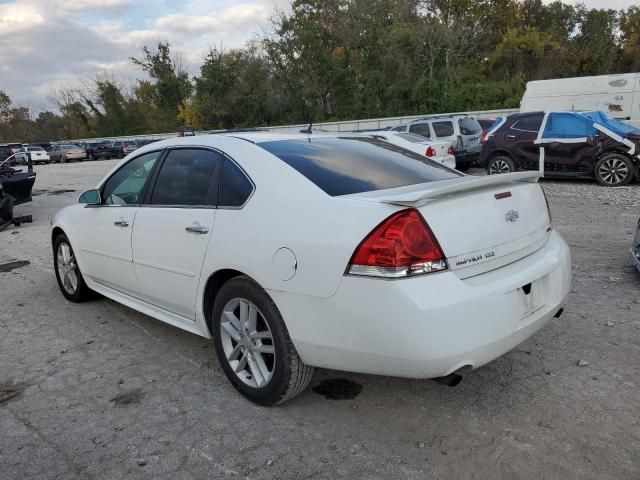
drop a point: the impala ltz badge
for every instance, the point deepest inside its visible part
(511, 215)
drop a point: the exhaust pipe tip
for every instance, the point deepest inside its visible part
(450, 380)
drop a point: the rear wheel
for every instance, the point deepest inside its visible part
(614, 170)
(253, 345)
(500, 164)
(70, 279)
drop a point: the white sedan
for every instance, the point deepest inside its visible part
(441, 152)
(37, 154)
(296, 251)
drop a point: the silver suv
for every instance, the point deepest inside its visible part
(462, 131)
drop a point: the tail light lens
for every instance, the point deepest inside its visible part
(401, 246)
(450, 150)
(431, 152)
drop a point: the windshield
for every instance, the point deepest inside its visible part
(35, 149)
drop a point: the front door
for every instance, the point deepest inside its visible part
(104, 232)
(568, 143)
(172, 230)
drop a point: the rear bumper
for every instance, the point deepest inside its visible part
(428, 326)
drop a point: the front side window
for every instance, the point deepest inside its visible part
(235, 187)
(125, 186)
(188, 176)
(420, 129)
(443, 129)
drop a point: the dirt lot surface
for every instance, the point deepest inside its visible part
(100, 391)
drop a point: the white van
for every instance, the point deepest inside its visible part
(616, 95)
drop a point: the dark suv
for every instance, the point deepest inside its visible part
(571, 144)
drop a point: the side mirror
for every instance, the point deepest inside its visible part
(90, 197)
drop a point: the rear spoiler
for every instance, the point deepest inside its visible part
(419, 198)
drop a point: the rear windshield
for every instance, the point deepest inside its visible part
(35, 149)
(469, 126)
(411, 137)
(346, 165)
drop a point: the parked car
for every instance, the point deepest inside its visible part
(6, 152)
(635, 248)
(129, 146)
(358, 266)
(461, 131)
(441, 152)
(37, 155)
(16, 184)
(572, 144)
(15, 147)
(67, 152)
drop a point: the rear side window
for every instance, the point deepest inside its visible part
(188, 177)
(443, 129)
(342, 166)
(528, 124)
(420, 129)
(469, 126)
(235, 187)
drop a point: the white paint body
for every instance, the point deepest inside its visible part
(424, 326)
(37, 156)
(617, 95)
(442, 148)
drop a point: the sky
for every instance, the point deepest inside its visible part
(45, 44)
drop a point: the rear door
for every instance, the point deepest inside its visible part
(173, 229)
(519, 139)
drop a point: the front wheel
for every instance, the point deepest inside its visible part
(500, 164)
(253, 345)
(614, 170)
(68, 275)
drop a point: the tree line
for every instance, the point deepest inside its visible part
(343, 59)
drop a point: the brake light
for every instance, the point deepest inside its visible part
(450, 150)
(403, 245)
(431, 152)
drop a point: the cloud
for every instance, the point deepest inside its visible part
(80, 5)
(230, 19)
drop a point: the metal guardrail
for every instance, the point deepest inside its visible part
(342, 126)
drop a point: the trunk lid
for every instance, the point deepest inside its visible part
(441, 148)
(481, 223)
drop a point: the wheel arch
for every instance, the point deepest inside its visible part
(55, 232)
(499, 152)
(214, 283)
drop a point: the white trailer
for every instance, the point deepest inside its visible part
(616, 95)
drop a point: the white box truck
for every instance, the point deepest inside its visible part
(616, 95)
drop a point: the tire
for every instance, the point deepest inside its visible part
(80, 292)
(500, 164)
(463, 167)
(614, 170)
(275, 377)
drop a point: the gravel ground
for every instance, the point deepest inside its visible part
(100, 391)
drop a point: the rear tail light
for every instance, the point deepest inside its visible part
(401, 246)
(450, 150)
(431, 152)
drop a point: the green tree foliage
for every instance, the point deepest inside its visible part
(345, 59)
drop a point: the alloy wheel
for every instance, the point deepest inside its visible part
(613, 171)
(499, 166)
(247, 342)
(67, 268)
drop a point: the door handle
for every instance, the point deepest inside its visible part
(197, 228)
(121, 223)
(511, 136)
